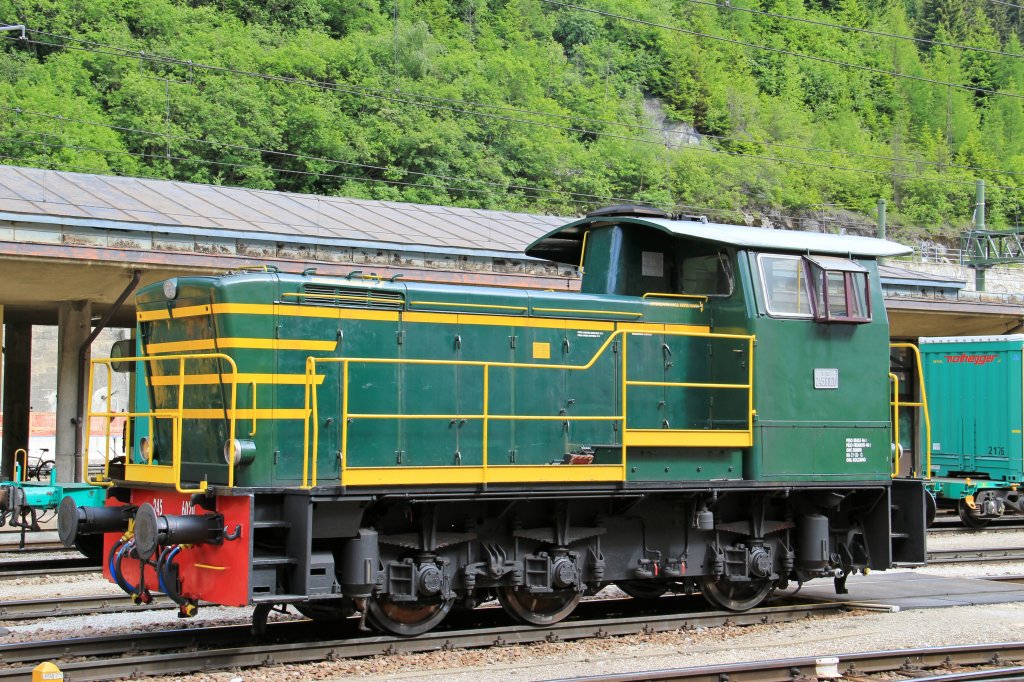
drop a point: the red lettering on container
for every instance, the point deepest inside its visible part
(971, 359)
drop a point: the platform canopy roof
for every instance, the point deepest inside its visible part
(109, 202)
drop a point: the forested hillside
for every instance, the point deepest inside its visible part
(738, 108)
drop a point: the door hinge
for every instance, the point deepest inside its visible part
(512, 341)
(512, 456)
(277, 454)
(458, 341)
(399, 454)
(400, 336)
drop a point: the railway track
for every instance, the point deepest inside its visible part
(985, 662)
(73, 564)
(991, 528)
(29, 609)
(180, 652)
(975, 555)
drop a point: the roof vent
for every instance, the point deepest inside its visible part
(628, 210)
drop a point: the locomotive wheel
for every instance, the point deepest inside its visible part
(538, 609)
(642, 589)
(970, 517)
(406, 619)
(735, 596)
(328, 611)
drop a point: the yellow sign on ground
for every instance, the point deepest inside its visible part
(46, 671)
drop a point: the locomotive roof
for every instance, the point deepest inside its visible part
(563, 245)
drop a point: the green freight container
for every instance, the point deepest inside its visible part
(975, 388)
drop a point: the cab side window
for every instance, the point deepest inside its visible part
(707, 275)
(784, 282)
(824, 288)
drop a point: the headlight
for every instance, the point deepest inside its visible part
(243, 452)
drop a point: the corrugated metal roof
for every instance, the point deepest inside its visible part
(563, 244)
(891, 274)
(171, 206)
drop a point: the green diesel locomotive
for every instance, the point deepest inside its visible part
(710, 412)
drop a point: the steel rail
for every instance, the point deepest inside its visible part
(909, 662)
(975, 555)
(52, 607)
(23, 568)
(991, 528)
(247, 653)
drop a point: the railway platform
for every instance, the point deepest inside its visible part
(917, 590)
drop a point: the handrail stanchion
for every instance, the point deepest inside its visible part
(344, 419)
(233, 453)
(305, 425)
(487, 417)
(23, 475)
(895, 404)
(252, 432)
(625, 399)
(106, 432)
(923, 404)
(316, 435)
(84, 473)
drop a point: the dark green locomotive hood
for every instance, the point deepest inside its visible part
(564, 244)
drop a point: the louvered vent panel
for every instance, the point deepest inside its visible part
(351, 297)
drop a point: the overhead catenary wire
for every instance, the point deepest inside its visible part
(310, 157)
(405, 100)
(1008, 4)
(681, 208)
(308, 173)
(697, 148)
(408, 97)
(779, 50)
(155, 156)
(726, 5)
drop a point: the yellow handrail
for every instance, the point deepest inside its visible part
(311, 437)
(24, 463)
(895, 404)
(922, 404)
(583, 252)
(176, 415)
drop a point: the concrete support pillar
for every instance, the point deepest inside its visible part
(74, 323)
(17, 376)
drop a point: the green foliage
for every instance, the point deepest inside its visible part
(528, 105)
